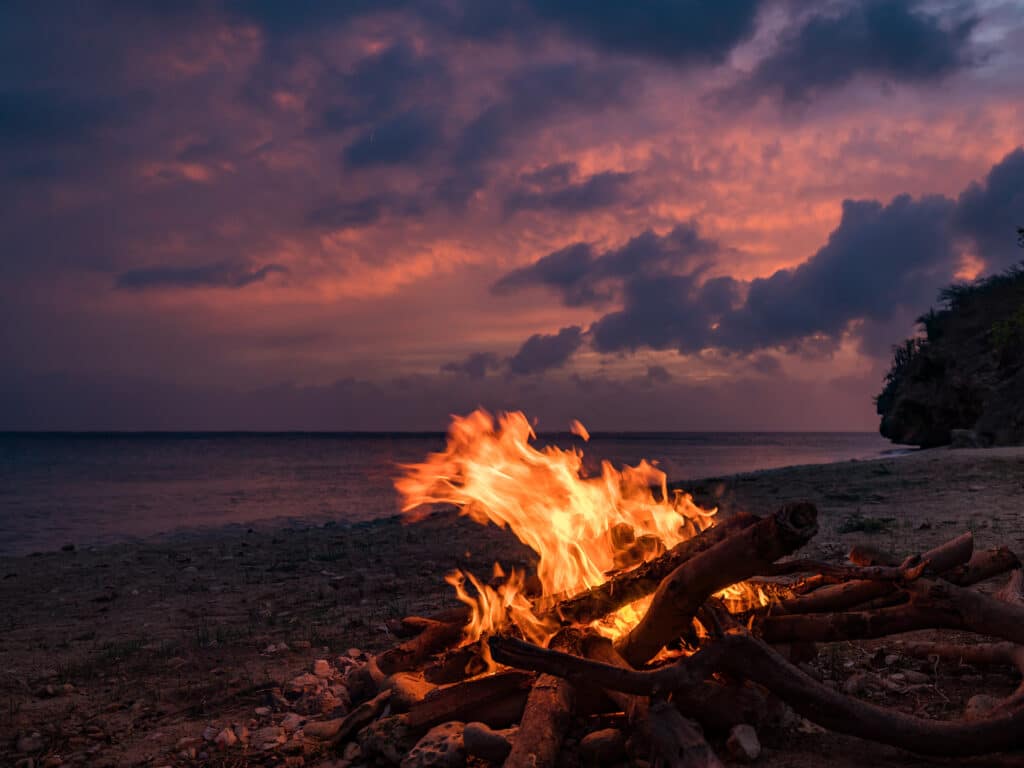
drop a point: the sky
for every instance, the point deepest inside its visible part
(368, 215)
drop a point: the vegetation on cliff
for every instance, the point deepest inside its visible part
(965, 371)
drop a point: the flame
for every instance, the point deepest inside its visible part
(581, 527)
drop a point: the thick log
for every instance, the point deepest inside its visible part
(840, 597)
(629, 586)
(436, 637)
(678, 742)
(743, 554)
(547, 714)
(360, 717)
(933, 605)
(983, 565)
(496, 700)
(744, 656)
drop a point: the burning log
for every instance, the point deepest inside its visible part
(496, 700)
(735, 558)
(547, 714)
(629, 586)
(435, 637)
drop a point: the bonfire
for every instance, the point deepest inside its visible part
(647, 608)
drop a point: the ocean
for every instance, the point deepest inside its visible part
(95, 489)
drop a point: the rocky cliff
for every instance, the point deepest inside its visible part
(962, 380)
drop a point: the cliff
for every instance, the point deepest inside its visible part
(965, 372)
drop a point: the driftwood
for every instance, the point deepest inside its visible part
(677, 741)
(740, 654)
(546, 717)
(839, 597)
(435, 637)
(629, 586)
(496, 700)
(744, 554)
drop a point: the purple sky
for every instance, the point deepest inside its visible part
(250, 214)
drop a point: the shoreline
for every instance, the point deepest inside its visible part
(115, 654)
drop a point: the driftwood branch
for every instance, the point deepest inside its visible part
(744, 554)
(744, 656)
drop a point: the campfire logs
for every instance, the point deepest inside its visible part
(691, 666)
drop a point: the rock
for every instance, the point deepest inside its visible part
(481, 741)
(603, 747)
(32, 742)
(917, 678)
(387, 738)
(407, 688)
(743, 744)
(210, 733)
(262, 711)
(442, 747)
(352, 751)
(324, 730)
(979, 706)
(241, 733)
(304, 683)
(857, 683)
(322, 668)
(291, 722)
(226, 738)
(267, 738)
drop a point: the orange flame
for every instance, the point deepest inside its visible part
(580, 527)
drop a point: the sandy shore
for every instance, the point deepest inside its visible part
(114, 656)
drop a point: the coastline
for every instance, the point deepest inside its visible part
(115, 654)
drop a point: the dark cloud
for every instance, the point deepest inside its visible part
(47, 116)
(347, 214)
(584, 277)
(879, 258)
(887, 39)
(407, 138)
(658, 374)
(990, 212)
(542, 352)
(220, 275)
(475, 365)
(677, 31)
(598, 191)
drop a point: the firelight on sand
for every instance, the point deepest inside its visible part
(581, 527)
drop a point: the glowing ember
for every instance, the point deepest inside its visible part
(581, 527)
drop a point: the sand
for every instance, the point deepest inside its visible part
(113, 655)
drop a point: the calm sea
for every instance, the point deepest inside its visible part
(102, 488)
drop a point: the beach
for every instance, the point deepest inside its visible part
(126, 654)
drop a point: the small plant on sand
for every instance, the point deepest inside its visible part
(858, 523)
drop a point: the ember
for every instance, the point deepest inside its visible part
(647, 616)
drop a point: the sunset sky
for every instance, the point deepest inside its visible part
(370, 214)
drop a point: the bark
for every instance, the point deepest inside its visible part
(496, 700)
(436, 637)
(744, 656)
(546, 717)
(737, 557)
(677, 741)
(984, 565)
(629, 586)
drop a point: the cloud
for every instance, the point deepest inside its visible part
(989, 213)
(879, 259)
(405, 139)
(475, 365)
(601, 190)
(675, 31)
(584, 277)
(220, 275)
(886, 39)
(542, 352)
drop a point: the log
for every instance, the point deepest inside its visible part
(742, 655)
(840, 597)
(496, 700)
(984, 565)
(677, 741)
(360, 717)
(629, 586)
(739, 556)
(436, 637)
(547, 714)
(933, 605)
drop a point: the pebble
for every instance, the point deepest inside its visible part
(482, 741)
(856, 683)
(267, 738)
(743, 743)
(979, 706)
(226, 738)
(442, 747)
(917, 678)
(603, 747)
(323, 729)
(291, 722)
(321, 668)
